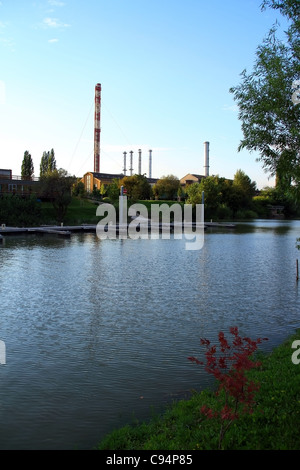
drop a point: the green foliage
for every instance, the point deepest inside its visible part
(244, 183)
(223, 199)
(224, 212)
(56, 186)
(17, 211)
(167, 187)
(288, 8)
(137, 187)
(48, 163)
(27, 168)
(270, 118)
(246, 214)
(78, 189)
(113, 190)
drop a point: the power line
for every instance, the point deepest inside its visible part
(81, 134)
(89, 156)
(117, 124)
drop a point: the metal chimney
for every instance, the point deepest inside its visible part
(140, 162)
(206, 158)
(150, 163)
(131, 169)
(124, 169)
(97, 128)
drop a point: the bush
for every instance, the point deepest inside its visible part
(245, 214)
(20, 211)
(224, 212)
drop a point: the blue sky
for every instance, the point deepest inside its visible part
(165, 67)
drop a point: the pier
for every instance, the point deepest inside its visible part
(66, 231)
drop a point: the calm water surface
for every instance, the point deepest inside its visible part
(98, 333)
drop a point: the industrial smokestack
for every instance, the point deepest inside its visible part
(97, 128)
(150, 163)
(124, 169)
(206, 158)
(131, 169)
(140, 162)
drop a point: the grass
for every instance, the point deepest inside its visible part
(80, 211)
(83, 211)
(274, 424)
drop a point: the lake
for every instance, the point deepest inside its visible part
(97, 332)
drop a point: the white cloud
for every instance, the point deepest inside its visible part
(52, 41)
(54, 23)
(8, 43)
(56, 3)
(233, 108)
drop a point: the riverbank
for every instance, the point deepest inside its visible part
(274, 424)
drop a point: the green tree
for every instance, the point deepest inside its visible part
(78, 189)
(137, 187)
(167, 187)
(244, 182)
(194, 194)
(48, 162)
(180, 193)
(57, 187)
(27, 169)
(242, 191)
(113, 190)
(103, 190)
(270, 116)
(212, 188)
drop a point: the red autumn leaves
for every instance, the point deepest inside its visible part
(229, 364)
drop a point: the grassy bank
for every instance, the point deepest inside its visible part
(80, 211)
(83, 211)
(274, 424)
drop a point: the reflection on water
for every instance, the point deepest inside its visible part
(98, 332)
(264, 225)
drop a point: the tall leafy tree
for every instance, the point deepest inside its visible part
(51, 161)
(212, 188)
(267, 99)
(167, 187)
(244, 182)
(27, 169)
(137, 187)
(113, 190)
(44, 164)
(48, 162)
(57, 187)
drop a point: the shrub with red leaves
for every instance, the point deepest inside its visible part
(229, 366)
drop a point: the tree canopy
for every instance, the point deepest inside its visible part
(137, 187)
(57, 187)
(267, 98)
(48, 162)
(27, 168)
(167, 187)
(223, 197)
